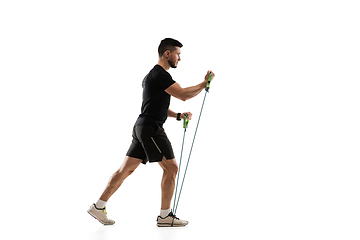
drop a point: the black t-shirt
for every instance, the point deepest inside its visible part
(156, 101)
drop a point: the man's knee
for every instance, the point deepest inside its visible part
(170, 166)
(174, 168)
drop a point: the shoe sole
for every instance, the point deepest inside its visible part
(99, 219)
(169, 225)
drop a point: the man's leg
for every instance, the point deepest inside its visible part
(128, 166)
(167, 218)
(170, 168)
(99, 212)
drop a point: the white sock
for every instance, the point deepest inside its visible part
(164, 213)
(100, 204)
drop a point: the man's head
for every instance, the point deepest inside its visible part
(169, 49)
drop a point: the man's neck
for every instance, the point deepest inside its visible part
(164, 64)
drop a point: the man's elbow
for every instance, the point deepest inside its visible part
(183, 96)
(183, 99)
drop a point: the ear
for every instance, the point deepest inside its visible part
(167, 53)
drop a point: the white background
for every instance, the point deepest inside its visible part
(277, 151)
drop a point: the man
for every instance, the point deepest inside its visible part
(150, 143)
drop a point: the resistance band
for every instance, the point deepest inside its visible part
(185, 125)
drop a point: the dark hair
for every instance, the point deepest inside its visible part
(168, 44)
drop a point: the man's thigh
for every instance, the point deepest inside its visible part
(130, 164)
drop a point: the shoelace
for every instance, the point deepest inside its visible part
(104, 210)
(172, 215)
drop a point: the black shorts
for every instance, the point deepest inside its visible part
(150, 143)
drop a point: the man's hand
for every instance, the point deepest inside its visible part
(189, 115)
(207, 75)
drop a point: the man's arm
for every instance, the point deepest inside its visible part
(184, 94)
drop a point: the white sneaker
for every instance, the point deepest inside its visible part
(100, 214)
(171, 221)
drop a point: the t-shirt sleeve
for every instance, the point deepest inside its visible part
(165, 81)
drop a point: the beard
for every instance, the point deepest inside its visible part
(172, 63)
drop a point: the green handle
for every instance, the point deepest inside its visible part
(208, 83)
(186, 121)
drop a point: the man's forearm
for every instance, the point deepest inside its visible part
(191, 92)
(172, 113)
